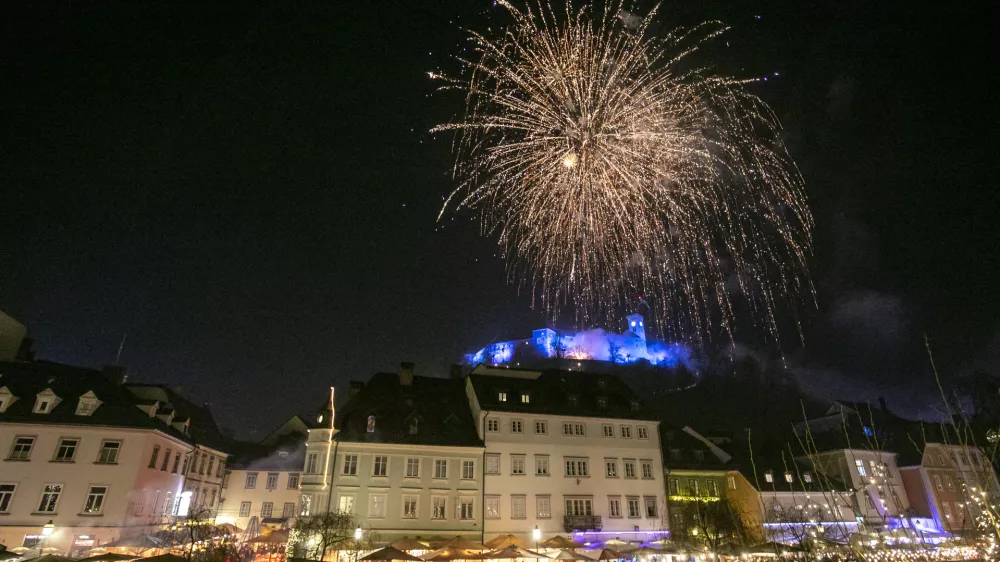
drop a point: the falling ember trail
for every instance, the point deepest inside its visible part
(609, 165)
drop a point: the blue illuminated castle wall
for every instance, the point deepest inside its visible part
(627, 347)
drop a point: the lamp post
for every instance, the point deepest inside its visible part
(535, 535)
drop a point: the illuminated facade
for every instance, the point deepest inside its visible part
(630, 346)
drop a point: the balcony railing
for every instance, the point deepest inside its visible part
(582, 523)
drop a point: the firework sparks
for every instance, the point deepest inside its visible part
(608, 168)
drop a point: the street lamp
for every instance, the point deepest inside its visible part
(536, 534)
(47, 530)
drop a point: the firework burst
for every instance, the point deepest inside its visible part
(608, 168)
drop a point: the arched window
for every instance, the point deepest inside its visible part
(371, 424)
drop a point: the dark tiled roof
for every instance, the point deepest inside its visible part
(565, 393)
(202, 428)
(438, 405)
(118, 406)
(287, 454)
(682, 450)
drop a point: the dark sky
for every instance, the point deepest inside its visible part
(250, 192)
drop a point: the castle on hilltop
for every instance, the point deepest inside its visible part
(630, 346)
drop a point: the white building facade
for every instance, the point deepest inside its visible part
(567, 453)
(78, 453)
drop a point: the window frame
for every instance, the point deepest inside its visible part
(27, 452)
(250, 482)
(59, 446)
(99, 497)
(350, 460)
(5, 506)
(55, 502)
(491, 501)
(412, 462)
(104, 447)
(380, 462)
(245, 507)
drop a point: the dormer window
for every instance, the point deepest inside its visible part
(573, 400)
(87, 404)
(501, 396)
(769, 477)
(788, 477)
(6, 399)
(525, 398)
(371, 424)
(635, 405)
(602, 403)
(414, 426)
(807, 477)
(45, 401)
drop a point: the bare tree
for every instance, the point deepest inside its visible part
(316, 536)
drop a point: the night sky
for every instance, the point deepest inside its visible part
(250, 193)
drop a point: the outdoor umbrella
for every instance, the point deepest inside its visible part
(7, 555)
(406, 543)
(608, 554)
(139, 541)
(230, 529)
(463, 544)
(559, 541)
(165, 558)
(503, 541)
(451, 553)
(645, 551)
(566, 554)
(512, 552)
(109, 557)
(390, 553)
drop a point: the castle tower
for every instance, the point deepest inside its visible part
(635, 325)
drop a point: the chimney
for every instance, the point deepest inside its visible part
(881, 403)
(456, 371)
(406, 374)
(356, 387)
(114, 373)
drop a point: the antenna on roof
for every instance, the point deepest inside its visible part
(120, 346)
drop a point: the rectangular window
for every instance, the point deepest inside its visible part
(468, 470)
(626, 431)
(713, 489)
(21, 449)
(674, 487)
(602, 402)
(517, 507)
(949, 483)
(633, 507)
(541, 465)
(947, 509)
(413, 467)
(201, 468)
(493, 426)
(543, 507)
(381, 465)
(577, 467)
(409, 507)
(50, 498)
(502, 396)
(579, 429)
(95, 500)
(6, 495)
(346, 504)
(166, 461)
(272, 481)
(937, 482)
(642, 432)
(732, 482)
(376, 506)
(650, 502)
(516, 426)
(288, 510)
(177, 462)
(251, 482)
(579, 506)
(244, 509)
(611, 468)
(609, 430)
(293, 481)
(306, 507)
(525, 398)
(311, 460)
(350, 465)
(615, 507)
(647, 469)
(66, 450)
(266, 509)
(492, 507)
(439, 507)
(211, 465)
(541, 427)
(567, 429)
(440, 468)
(629, 467)
(860, 466)
(154, 456)
(492, 464)
(465, 509)
(693, 487)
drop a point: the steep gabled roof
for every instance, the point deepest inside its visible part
(202, 429)
(555, 392)
(118, 408)
(438, 406)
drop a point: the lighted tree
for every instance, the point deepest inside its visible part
(317, 536)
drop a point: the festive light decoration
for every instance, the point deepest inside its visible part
(610, 167)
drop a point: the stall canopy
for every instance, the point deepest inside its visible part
(566, 554)
(165, 558)
(462, 543)
(274, 537)
(503, 541)
(389, 553)
(108, 557)
(450, 553)
(608, 554)
(512, 552)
